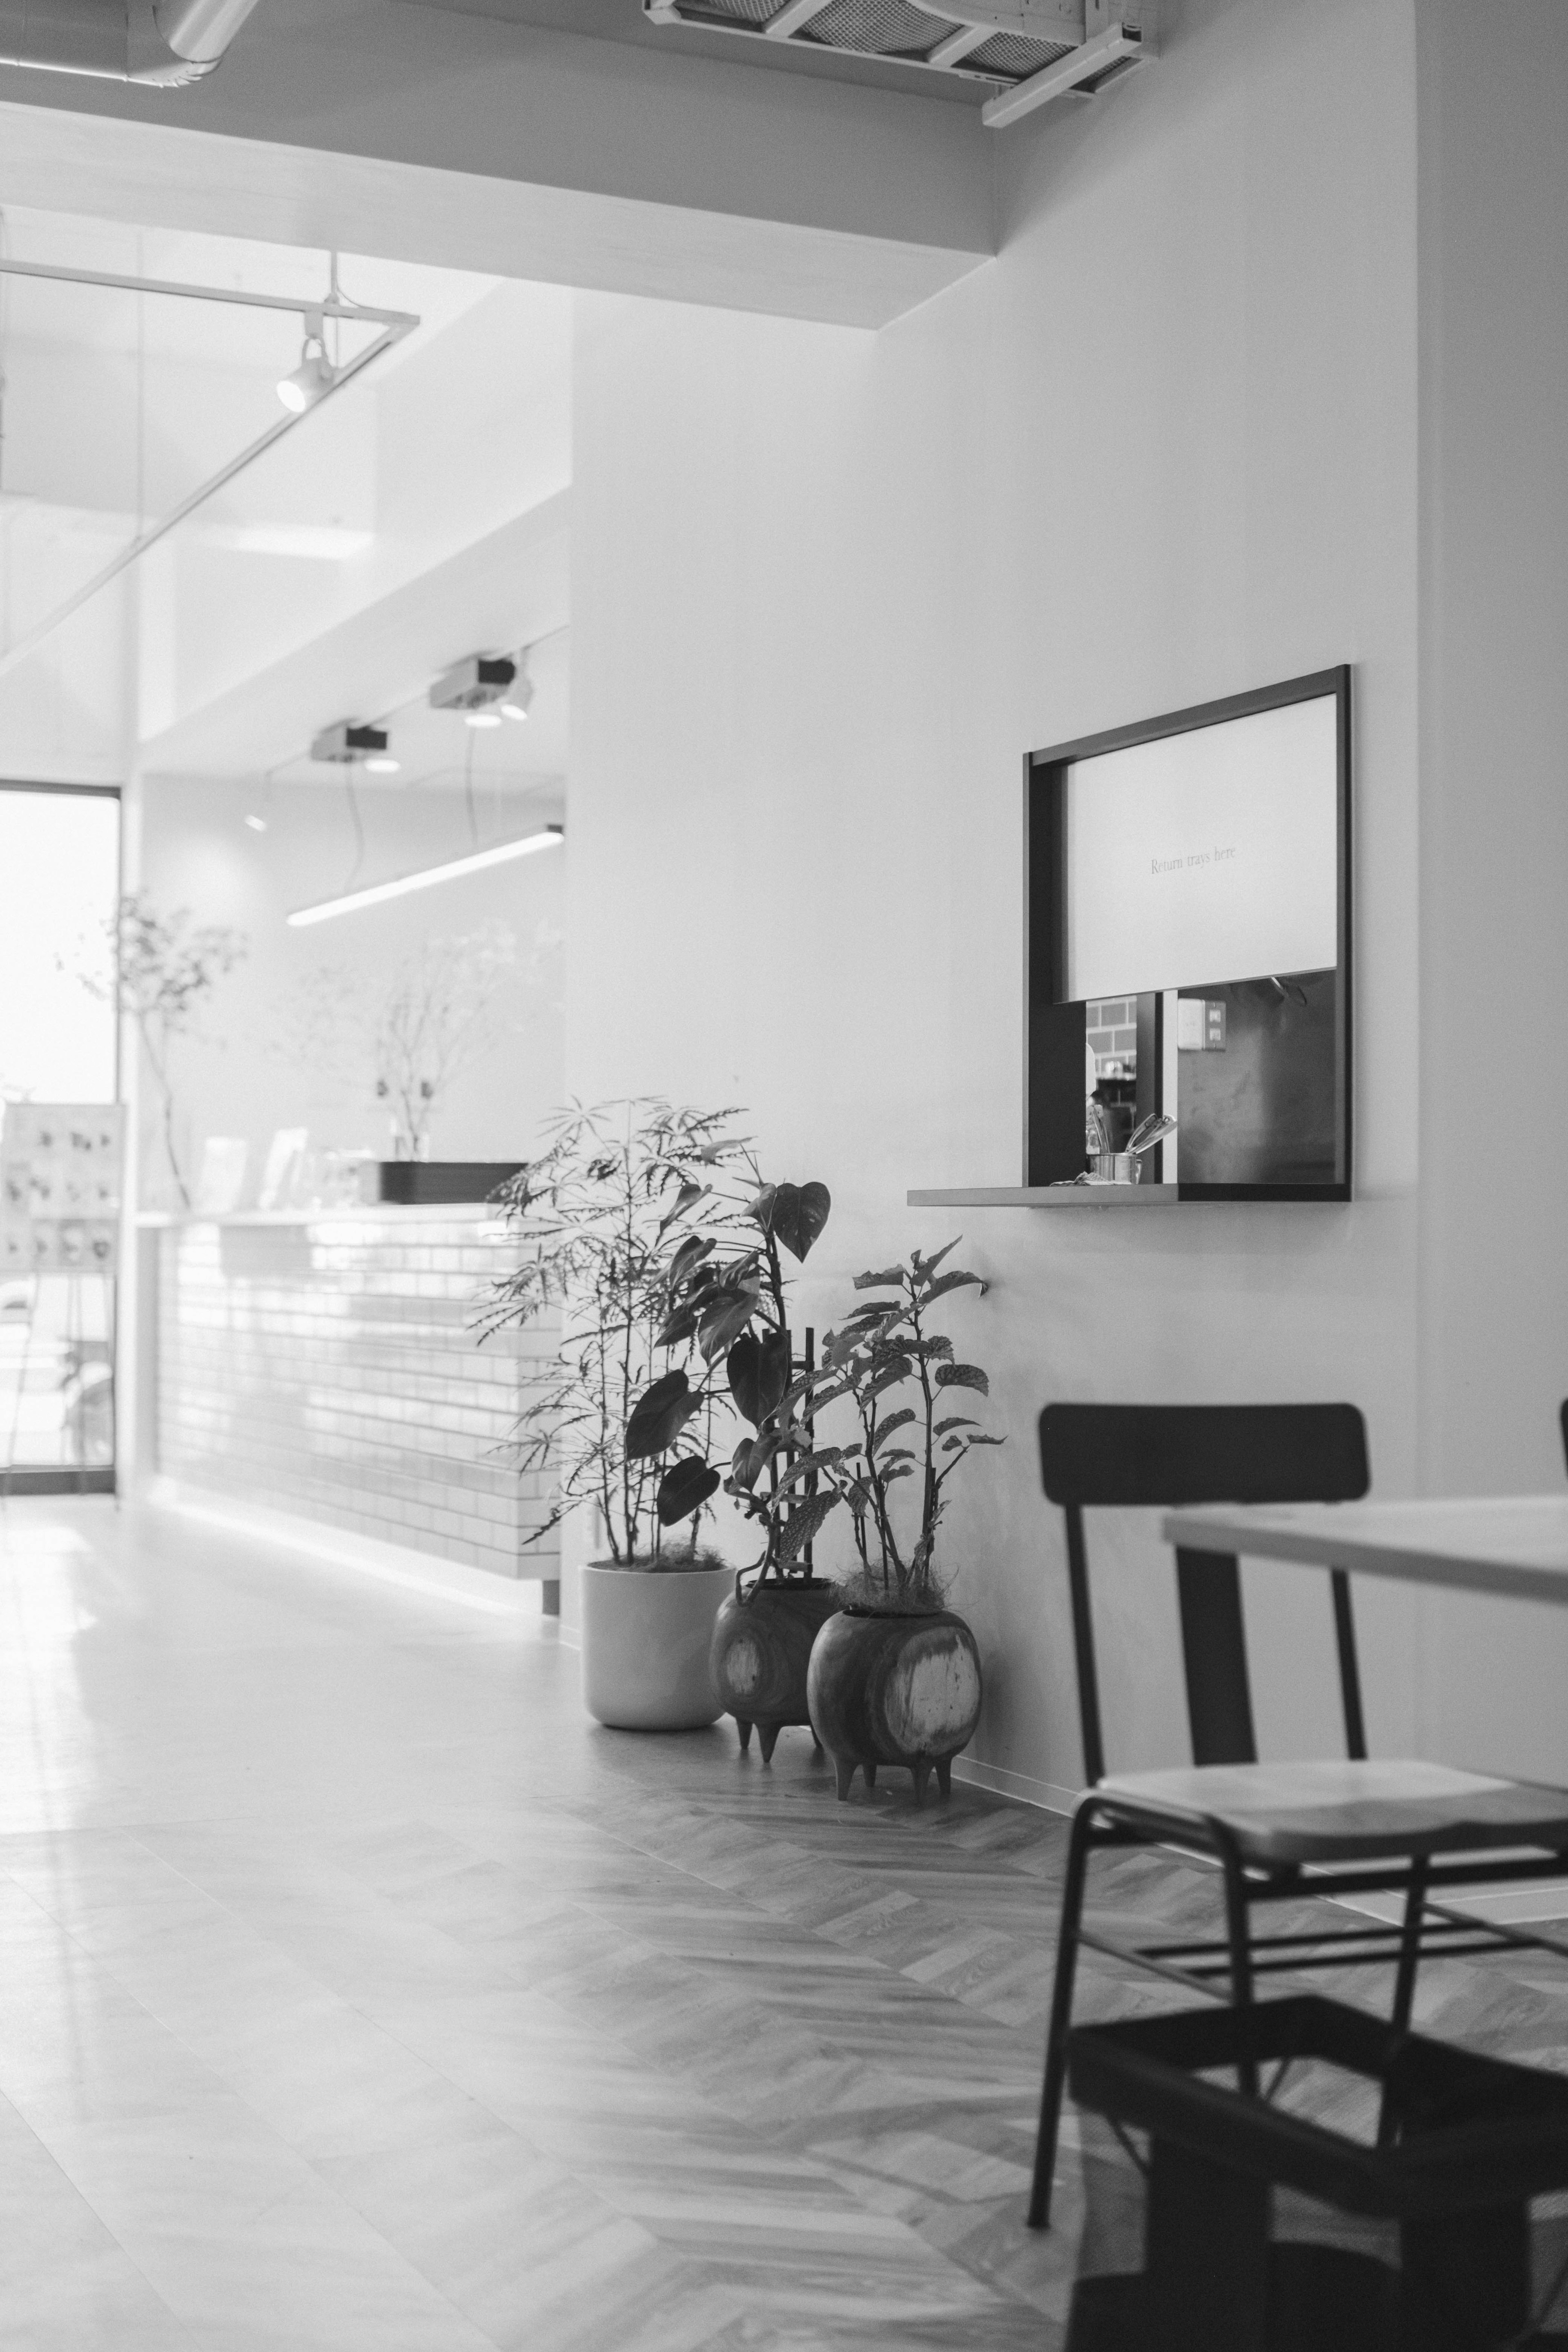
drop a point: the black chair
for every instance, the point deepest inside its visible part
(1279, 1832)
(1563, 1424)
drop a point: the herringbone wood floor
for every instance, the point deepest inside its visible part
(357, 1992)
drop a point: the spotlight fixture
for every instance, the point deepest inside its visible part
(256, 824)
(377, 893)
(382, 763)
(516, 705)
(350, 742)
(315, 375)
(475, 685)
(481, 718)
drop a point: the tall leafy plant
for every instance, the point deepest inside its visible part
(602, 1216)
(911, 1394)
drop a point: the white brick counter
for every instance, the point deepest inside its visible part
(326, 1364)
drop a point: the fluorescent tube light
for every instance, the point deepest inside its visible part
(378, 892)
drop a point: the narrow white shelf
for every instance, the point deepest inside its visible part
(1047, 1196)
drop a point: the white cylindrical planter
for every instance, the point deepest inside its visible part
(646, 1636)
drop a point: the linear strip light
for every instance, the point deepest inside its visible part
(378, 892)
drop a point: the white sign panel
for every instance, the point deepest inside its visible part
(1204, 856)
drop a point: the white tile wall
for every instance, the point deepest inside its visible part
(330, 1367)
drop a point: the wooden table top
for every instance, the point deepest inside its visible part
(1514, 1544)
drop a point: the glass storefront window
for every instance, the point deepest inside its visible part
(60, 880)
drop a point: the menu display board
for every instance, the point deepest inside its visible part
(1213, 851)
(60, 1187)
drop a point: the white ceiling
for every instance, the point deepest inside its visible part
(417, 516)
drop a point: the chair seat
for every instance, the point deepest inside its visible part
(1331, 1811)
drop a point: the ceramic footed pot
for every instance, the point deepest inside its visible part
(645, 1634)
(761, 1649)
(888, 1687)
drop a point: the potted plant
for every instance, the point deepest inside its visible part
(600, 1214)
(727, 1296)
(894, 1678)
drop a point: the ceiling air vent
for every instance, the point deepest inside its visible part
(1026, 51)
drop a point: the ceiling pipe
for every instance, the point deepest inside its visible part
(164, 43)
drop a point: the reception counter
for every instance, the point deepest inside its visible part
(325, 1365)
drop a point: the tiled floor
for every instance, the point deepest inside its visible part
(355, 1992)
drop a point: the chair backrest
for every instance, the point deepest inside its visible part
(1169, 1455)
(1562, 1423)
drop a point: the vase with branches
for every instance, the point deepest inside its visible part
(164, 969)
(407, 1041)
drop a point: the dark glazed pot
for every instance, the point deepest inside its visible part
(762, 1645)
(888, 1688)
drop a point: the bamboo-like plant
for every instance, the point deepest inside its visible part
(603, 1215)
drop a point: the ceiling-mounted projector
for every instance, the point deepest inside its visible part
(349, 741)
(474, 683)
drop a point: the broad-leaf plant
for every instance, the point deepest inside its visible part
(726, 1300)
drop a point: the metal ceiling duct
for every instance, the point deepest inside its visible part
(1029, 51)
(164, 43)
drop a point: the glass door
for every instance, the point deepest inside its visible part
(60, 1167)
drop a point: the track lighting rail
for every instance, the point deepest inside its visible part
(393, 326)
(302, 307)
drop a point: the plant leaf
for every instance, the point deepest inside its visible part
(926, 1266)
(687, 1198)
(684, 1488)
(809, 1464)
(659, 1415)
(955, 1421)
(954, 1281)
(890, 1277)
(963, 1376)
(724, 1323)
(676, 1327)
(758, 1370)
(898, 1368)
(894, 1420)
(797, 1214)
(801, 1525)
(686, 1258)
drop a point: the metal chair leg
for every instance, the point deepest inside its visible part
(1239, 1931)
(1405, 1977)
(1061, 2018)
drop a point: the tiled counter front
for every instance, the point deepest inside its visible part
(327, 1366)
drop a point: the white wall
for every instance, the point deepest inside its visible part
(232, 1079)
(1494, 615)
(1162, 450)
